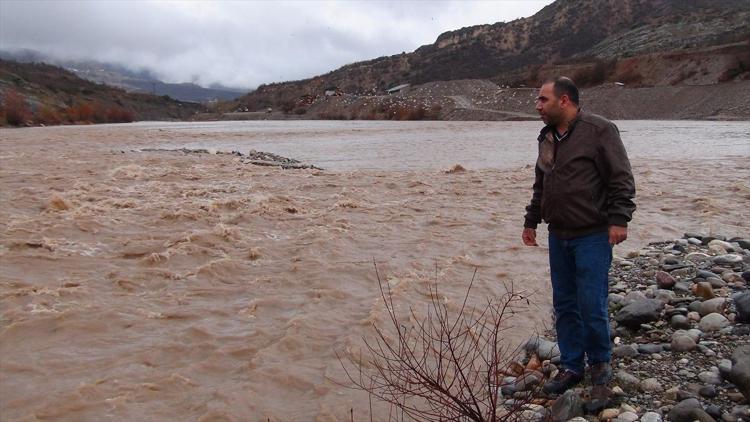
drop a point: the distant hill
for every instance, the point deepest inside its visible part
(122, 77)
(639, 42)
(45, 94)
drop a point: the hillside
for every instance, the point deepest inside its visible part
(643, 43)
(45, 94)
(119, 76)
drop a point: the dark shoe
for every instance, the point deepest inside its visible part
(562, 382)
(601, 373)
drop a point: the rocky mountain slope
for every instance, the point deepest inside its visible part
(639, 42)
(44, 94)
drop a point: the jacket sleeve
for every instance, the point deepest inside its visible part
(534, 210)
(618, 177)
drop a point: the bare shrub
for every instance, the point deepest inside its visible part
(16, 110)
(119, 115)
(441, 366)
(48, 116)
(80, 113)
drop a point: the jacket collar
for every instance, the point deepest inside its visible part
(549, 129)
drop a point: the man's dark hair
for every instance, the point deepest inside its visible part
(564, 86)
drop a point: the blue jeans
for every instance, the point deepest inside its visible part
(580, 269)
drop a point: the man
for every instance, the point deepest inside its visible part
(584, 191)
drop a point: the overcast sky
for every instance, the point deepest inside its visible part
(240, 43)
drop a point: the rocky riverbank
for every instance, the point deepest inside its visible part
(680, 319)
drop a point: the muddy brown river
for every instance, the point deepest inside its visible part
(142, 286)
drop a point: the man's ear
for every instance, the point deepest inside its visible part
(564, 100)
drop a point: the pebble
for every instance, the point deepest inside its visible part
(713, 322)
(715, 305)
(679, 322)
(609, 414)
(626, 351)
(708, 391)
(627, 417)
(727, 259)
(651, 384)
(651, 417)
(650, 348)
(627, 381)
(664, 280)
(697, 257)
(703, 290)
(710, 377)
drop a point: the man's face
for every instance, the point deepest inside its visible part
(548, 105)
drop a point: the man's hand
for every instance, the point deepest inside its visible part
(529, 237)
(617, 234)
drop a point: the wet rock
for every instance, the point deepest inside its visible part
(740, 374)
(567, 406)
(742, 304)
(713, 322)
(640, 312)
(664, 280)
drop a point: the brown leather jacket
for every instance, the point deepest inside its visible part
(584, 183)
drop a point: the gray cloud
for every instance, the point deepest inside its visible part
(239, 43)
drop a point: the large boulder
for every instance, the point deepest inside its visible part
(567, 406)
(640, 312)
(740, 374)
(683, 411)
(742, 303)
